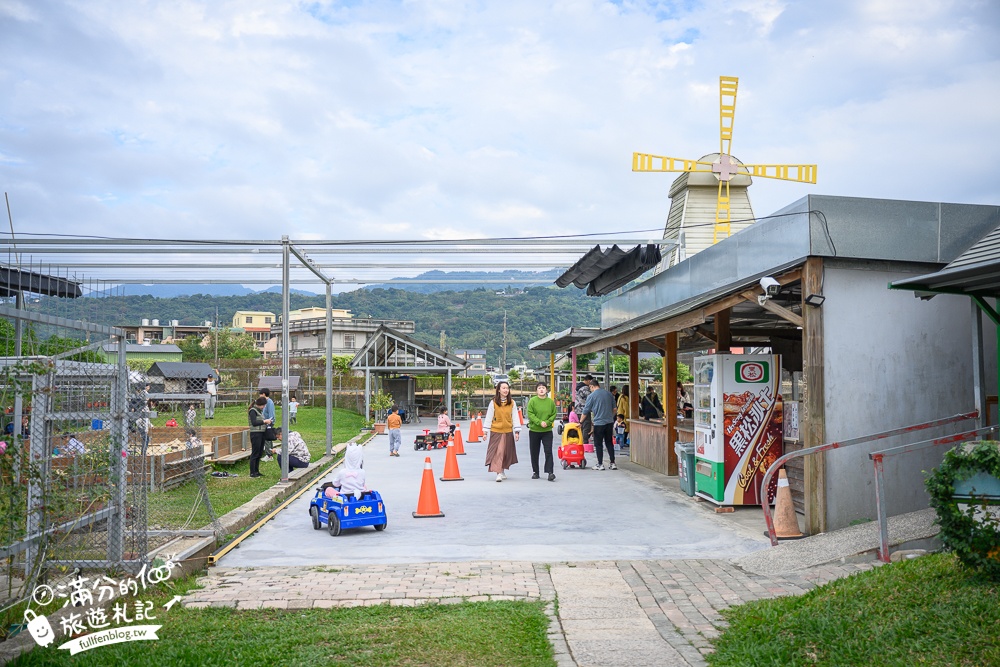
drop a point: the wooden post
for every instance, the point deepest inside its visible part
(724, 339)
(633, 380)
(670, 398)
(814, 417)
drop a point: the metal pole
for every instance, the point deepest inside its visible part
(447, 394)
(368, 392)
(285, 308)
(329, 369)
(552, 374)
(978, 367)
(119, 462)
(883, 525)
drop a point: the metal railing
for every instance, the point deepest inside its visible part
(782, 460)
(878, 459)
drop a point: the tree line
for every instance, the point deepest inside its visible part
(469, 319)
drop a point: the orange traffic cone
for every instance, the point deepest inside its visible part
(786, 523)
(476, 430)
(459, 445)
(427, 503)
(451, 473)
(520, 415)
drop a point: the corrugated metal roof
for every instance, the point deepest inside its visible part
(976, 272)
(164, 348)
(180, 369)
(564, 340)
(986, 249)
(14, 280)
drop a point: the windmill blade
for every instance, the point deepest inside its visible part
(647, 162)
(722, 214)
(727, 112)
(801, 173)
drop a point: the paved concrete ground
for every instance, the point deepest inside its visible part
(630, 513)
(640, 571)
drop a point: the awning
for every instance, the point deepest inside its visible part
(604, 271)
(975, 273)
(13, 281)
(565, 340)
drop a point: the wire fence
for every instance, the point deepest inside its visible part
(84, 473)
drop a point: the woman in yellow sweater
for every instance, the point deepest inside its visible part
(503, 424)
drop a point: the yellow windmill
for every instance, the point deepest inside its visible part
(690, 206)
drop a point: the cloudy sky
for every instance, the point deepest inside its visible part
(230, 119)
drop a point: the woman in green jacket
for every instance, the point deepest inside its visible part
(541, 416)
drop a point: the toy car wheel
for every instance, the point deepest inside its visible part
(565, 464)
(334, 525)
(583, 463)
(381, 526)
(416, 447)
(314, 513)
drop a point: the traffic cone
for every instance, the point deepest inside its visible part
(451, 473)
(459, 445)
(786, 523)
(520, 415)
(476, 430)
(427, 503)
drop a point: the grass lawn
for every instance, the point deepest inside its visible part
(172, 509)
(471, 634)
(926, 611)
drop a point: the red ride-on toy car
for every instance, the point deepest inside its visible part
(570, 452)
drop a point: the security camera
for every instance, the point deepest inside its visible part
(770, 286)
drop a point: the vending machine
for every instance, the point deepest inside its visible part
(738, 425)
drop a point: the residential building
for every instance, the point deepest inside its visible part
(257, 323)
(477, 359)
(153, 332)
(307, 332)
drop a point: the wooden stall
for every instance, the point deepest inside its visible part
(650, 446)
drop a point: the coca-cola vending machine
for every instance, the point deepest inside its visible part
(738, 426)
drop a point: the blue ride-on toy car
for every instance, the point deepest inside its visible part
(342, 512)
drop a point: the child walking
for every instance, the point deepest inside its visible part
(394, 423)
(620, 431)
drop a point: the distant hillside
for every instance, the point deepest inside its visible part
(171, 291)
(470, 319)
(501, 280)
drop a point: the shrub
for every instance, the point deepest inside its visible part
(972, 533)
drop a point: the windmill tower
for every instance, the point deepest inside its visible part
(712, 190)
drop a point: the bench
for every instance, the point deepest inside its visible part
(231, 459)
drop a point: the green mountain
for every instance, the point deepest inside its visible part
(498, 280)
(470, 319)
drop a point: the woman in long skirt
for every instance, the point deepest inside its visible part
(503, 423)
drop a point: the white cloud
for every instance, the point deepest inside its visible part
(258, 118)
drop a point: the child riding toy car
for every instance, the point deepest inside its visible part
(571, 452)
(340, 512)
